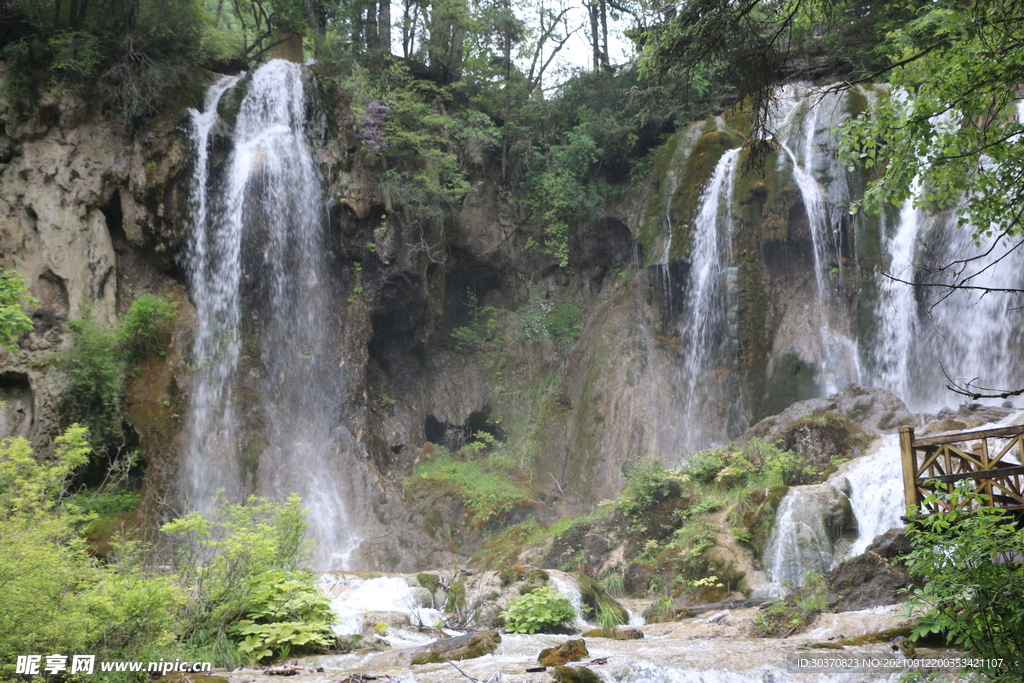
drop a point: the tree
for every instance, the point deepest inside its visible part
(13, 299)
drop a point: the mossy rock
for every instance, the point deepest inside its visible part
(429, 581)
(886, 636)
(625, 634)
(358, 641)
(569, 651)
(575, 674)
(596, 599)
(820, 437)
(455, 649)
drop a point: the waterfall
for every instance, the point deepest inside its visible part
(702, 323)
(265, 412)
(800, 540)
(929, 334)
(797, 120)
(876, 493)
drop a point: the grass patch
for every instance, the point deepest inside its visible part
(485, 486)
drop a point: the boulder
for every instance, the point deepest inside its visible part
(874, 578)
(569, 651)
(575, 674)
(874, 411)
(454, 649)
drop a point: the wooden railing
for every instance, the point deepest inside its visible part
(991, 458)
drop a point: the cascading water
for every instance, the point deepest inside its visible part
(265, 415)
(702, 322)
(930, 335)
(800, 540)
(876, 493)
(798, 124)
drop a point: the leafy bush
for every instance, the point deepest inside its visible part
(56, 597)
(98, 364)
(650, 484)
(13, 321)
(540, 610)
(704, 466)
(287, 614)
(247, 598)
(974, 580)
(140, 328)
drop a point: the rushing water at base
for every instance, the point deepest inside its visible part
(265, 410)
(876, 493)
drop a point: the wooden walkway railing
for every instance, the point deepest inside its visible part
(991, 458)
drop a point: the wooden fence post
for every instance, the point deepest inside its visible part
(909, 466)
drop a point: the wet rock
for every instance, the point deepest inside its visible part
(569, 651)
(454, 649)
(875, 411)
(575, 674)
(596, 600)
(965, 417)
(874, 578)
(637, 579)
(626, 634)
(375, 622)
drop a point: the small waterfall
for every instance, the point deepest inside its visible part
(876, 493)
(570, 590)
(800, 540)
(266, 415)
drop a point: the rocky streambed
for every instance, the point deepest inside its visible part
(714, 647)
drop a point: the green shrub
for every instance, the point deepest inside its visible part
(650, 484)
(139, 332)
(99, 361)
(96, 371)
(248, 599)
(704, 466)
(287, 615)
(13, 299)
(541, 610)
(56, 597)
(973, 592)
(104, 503)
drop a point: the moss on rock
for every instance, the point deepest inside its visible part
(569, 651)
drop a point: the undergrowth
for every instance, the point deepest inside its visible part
(478, 474)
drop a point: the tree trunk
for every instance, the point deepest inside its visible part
(314, 23)
(384, 31)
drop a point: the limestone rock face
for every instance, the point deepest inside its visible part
(88, 217)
